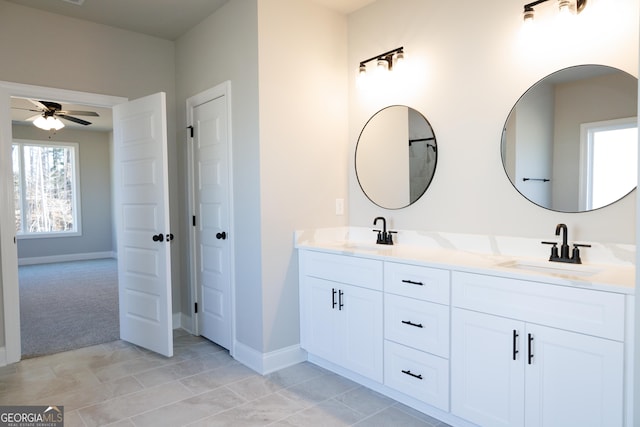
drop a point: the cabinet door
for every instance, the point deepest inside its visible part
(319, 316)
(487, 384)
(360, 330)
(573, 380)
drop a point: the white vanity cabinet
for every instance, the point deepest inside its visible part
(470, 345)
(530, 354)
(416, 331)
(341, 311)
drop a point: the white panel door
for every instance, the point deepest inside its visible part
(573, 379)
(142, 223)
(212, 199)
(487, 369)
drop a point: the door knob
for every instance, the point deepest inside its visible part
(158, 237)
(222, 235)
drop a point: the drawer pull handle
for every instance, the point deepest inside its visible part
(411, 374)
(410, 323)
(530, 349)
(411, 282)
(515, 344)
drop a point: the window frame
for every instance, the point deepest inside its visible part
(76, 196)
(586, 155)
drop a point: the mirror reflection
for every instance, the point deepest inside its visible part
(570, 142)
(396, 157)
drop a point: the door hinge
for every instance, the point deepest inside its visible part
(195, 307)
(193, 221)
(190, 131)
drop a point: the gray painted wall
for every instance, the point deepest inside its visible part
(95, 195)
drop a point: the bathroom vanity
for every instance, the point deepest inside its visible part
(472, 330)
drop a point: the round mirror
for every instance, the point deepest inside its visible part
(570, 142)
(396, 157)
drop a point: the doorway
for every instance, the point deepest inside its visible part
(8, 251)
(64, 224)
(211, 202)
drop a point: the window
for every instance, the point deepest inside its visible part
(45, 183)
(609, 165)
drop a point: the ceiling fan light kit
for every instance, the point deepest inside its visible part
(48, 123)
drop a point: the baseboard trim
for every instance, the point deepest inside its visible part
(266, 363)
(66, 258)
(176, 320)
(186, 323)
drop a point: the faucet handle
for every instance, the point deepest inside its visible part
(575, 255)
(390, 236)
(554, 250)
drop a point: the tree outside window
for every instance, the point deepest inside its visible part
(45, 182)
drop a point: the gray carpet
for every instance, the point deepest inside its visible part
(69, 305)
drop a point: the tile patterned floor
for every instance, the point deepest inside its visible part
(119, 384)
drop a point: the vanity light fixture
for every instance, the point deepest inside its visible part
(564, 6)
(385, 60)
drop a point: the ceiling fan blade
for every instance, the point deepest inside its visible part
(73, 119)
(32, 118)
(80, 113)
(38, 104)
(26, 109)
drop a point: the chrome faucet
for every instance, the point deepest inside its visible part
(384, 237)
(564, 248)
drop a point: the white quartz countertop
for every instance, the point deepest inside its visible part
(456, 252)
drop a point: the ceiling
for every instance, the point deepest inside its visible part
(171, 19)
(167, 19)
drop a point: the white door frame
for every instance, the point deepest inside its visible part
(223, 89)
(8, 250)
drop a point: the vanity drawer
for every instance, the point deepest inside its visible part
(425, 283)
(363, 272)
(576, 309)
(423, 376)
(418, 324)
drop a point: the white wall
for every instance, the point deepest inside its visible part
(286, 60)
(468, 65)
(303, 145)
(225, 47)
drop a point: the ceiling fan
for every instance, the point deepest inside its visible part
(50, 113)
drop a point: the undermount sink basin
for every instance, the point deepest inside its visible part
(552, 267)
